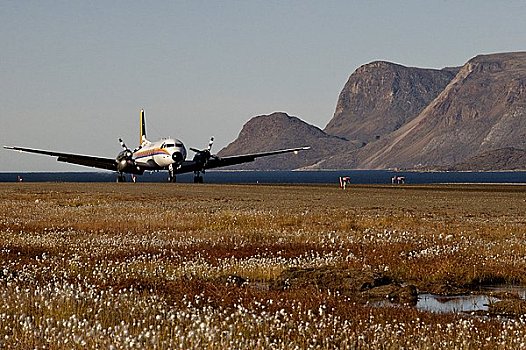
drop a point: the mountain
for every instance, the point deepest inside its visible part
(279, 130)
(483, 108)
(380, 97)
(500, 159)
(390, 116)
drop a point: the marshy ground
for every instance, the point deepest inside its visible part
(255, 266)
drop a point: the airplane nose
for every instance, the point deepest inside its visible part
(177, 157)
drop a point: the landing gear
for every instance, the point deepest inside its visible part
(171, 174)
(198, 178)
(121, 177)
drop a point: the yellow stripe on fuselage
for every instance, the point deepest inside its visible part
(151, 152)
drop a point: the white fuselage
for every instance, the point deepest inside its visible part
(160, 154)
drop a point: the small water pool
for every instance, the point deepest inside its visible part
(454, 304)
(467, 302)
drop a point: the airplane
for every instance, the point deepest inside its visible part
(165, 154)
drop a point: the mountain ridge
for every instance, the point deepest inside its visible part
(469, 116)
(456, 114)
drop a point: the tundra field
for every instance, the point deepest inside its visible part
(169, 266)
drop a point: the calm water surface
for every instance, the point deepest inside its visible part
(292, 177)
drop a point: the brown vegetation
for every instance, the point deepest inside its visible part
(225, 266)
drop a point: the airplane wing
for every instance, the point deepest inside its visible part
(95, 162)
(216, 161)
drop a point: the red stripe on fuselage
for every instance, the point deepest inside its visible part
(150, 153)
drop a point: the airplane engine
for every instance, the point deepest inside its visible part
(177, 157)
(125, 163)
(201, 157)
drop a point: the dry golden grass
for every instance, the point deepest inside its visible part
(155, 265)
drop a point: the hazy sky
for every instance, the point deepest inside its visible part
(74, 74)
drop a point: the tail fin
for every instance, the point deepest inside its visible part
(143, 129)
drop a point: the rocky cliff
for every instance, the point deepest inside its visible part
(483, 108)
(380, 97)
(391, 116)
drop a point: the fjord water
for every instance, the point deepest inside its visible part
(283, 177)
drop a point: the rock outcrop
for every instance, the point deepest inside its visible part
(483, 108)
(279, 130)
(380, 97)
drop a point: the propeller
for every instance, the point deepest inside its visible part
(123, 145)
(124, 158)
(207, 150)
(128, 153)
(204, 155)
